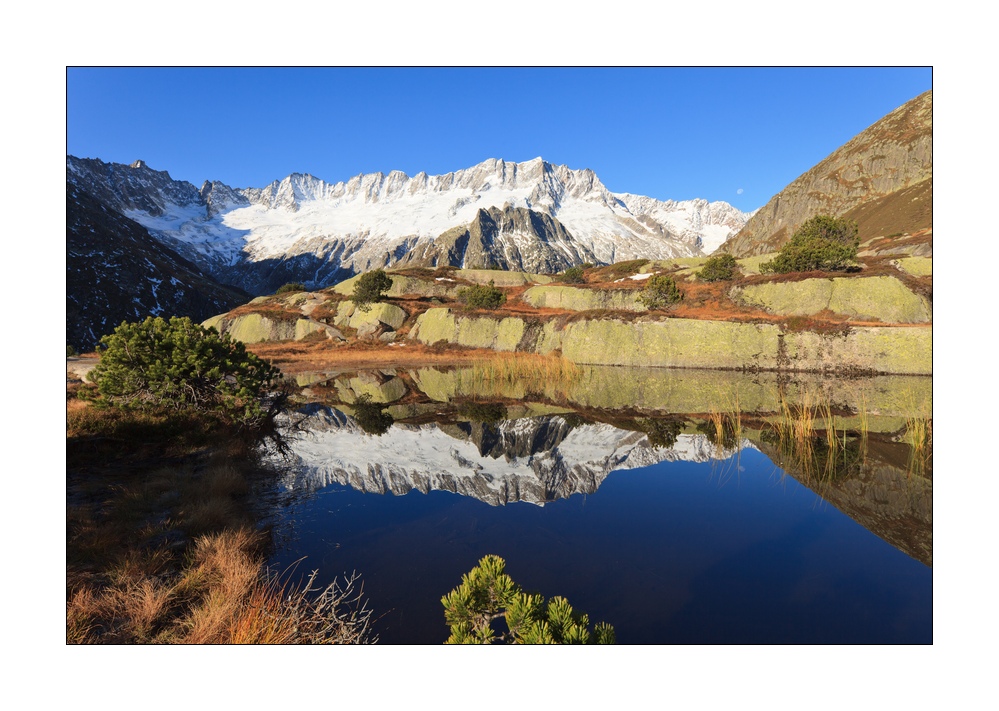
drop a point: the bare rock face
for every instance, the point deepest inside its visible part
(893, 155)
(513, 238)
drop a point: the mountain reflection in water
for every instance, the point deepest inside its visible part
(693, 487)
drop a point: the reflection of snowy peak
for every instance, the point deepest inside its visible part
(532, 459)
(304, 229)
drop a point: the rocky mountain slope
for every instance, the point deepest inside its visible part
(116, 272)
(531, 215)
(883, 178)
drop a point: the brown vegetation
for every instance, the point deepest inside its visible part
(161, 543)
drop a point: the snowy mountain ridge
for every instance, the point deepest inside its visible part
(303, 228)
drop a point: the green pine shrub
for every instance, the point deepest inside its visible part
(478, 296)
(719, 267)
(822, 243)
(572, 275)
(487, 593)
(370, 288)
(290, 287)
(180, 365)
(660, 293)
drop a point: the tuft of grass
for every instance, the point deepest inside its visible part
(919, 436)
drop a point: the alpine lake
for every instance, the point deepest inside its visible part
(678, 506)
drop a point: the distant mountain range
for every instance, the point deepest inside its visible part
(532, 216)
(141, 243)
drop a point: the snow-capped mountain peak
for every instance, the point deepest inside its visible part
(303, 228)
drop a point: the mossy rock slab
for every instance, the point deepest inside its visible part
(435, 325)
(685, 343)
(661, 264)
(440, 324)
(381, 312)
(576, 299)
(404, 286)
(751, 265)
(254, 328)
(883, 298)
(916, 266)
(501, 278)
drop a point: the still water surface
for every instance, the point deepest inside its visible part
(695, 542)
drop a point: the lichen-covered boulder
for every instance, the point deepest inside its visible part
(500, 277)
(404, 286)
(254, 328)
(916, 266)
(883, 298)
(378, 313)
(577, 299)
(440, 324)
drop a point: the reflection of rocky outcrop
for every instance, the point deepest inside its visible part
(535, 459)
(882, 496)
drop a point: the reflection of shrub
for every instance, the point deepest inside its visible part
(720, 267)
(660, 293)
(291, 287)
(662, 431)
(822, 242)
(371, 417)
(487, 593)
(485, 412)
(478, 296)
(572, 275)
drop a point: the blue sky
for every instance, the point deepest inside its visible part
(733, 134)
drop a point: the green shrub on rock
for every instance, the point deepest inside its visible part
(291, 287)
(572, 275)
(478, 296)
(181, 365)
(720, 267)
(370, 288)
(660, 293)
(821, 243)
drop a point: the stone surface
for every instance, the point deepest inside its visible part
(381, 312)
(882, 298)
(686, 343)
(577, 299)
(916, 266)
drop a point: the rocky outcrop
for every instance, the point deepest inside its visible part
(255, 327)
(514, 238)
(686, 343)
(893, 155)
(574, 299)
(880, 298)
